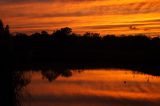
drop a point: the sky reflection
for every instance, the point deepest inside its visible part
(112, 87)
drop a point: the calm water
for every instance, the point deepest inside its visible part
(95, 87)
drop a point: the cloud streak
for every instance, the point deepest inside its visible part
(85, 12)
(51, 1)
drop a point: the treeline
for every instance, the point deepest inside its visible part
(64, 45)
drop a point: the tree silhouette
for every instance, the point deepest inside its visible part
(1, 29)
(62, 33)
(7, 31)
(64, 45)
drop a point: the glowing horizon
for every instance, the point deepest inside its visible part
(101, 16)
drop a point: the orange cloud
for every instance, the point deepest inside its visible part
(53, 14)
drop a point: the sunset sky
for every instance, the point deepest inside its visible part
(102, 16)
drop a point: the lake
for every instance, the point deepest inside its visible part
(91, 87)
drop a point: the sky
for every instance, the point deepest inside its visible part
(100, 16)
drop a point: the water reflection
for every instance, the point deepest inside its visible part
(61, 86)
(94, 87)
(54, 74)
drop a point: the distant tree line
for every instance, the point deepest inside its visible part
(64, 45)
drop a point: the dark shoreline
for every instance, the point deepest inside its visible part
(60, 66)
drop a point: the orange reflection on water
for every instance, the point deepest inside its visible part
(101, 87)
